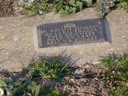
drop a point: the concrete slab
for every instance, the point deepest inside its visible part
(17, 43)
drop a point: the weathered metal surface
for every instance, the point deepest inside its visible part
(71, 32)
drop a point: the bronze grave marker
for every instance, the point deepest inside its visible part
(72, 32)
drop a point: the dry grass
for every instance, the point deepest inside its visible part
(8, 8)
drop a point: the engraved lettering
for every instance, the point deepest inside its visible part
(71, 32)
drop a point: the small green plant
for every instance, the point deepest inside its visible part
(65, 7)
(121, 90)
(26, 88)
(2, 83)
(103, 7)
(37, 80)
(50, 69)
(122, 3)
(117, 73)
(117, 66)
(39, 7)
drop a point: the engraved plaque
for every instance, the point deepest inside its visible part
(72, 32)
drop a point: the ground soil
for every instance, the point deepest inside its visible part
(86, 80)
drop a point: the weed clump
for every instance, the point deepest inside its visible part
(116, 73)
